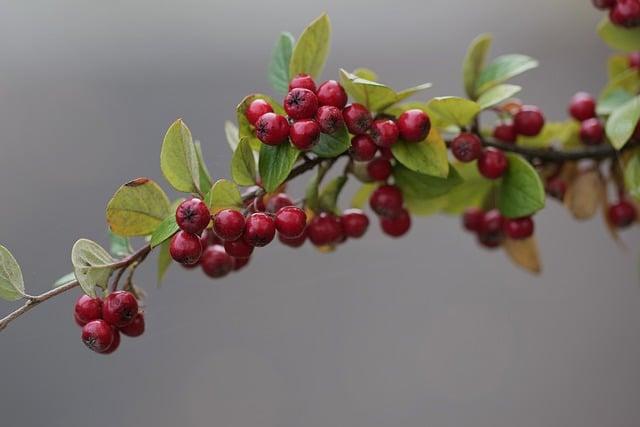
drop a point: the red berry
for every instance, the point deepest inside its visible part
(332, 93)
(97, 335)
(492, 163)
(136, 327)
(603, 4)
(625, 13)
(357, 118)
(301, 104)
(239, 263)
(259, 230)
(591, 132)
(472, 219)
(556, 187)
(272, 129)
(193, 216)
(398, 225)
(363, 148)
(491, 222)
(582, 106)
(518, 228)
(329, 118)
(386, 153)
(115, 343)
(302, 81)
(529, 121)
(119, 308)
(216, 262)
(87, 309)
(238, 248)
(634, 60)
(384, 132)
(490, 240)
(208, 238)
(379, 169)
(354, 223)
(505, 132)
(386, 200)
(185, 248)
(622, 214)
(414, 125)
(325, 229)
(78, 321)
(280, 200)
(466, 147)
(296, 242)
(257, 108)
(228, 224)
(291, 221)
(304, 134)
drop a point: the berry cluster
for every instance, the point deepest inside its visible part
(102, 320)
(582, 108)
(623, 13)
(492, 228)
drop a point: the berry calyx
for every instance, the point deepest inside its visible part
(87, 309)
(193, 216)
(228, 224)
(259, 229)
(291, 221)
(472, 219)
(384, 132)
(302, 81)
(216, 262)
(582, 106)
(119, 308)
(332, 93)
(136, 327)
(518, 228)
(304, 134)
(414, 125)
(363, 148)
(272, 129)
(505, 132)
(357, 118)
(622, 214)
(591, 132)
(386, 200)
(325, 229)
(185, 248)
(97, 335)
(529, 121)
(329, 119)
(238, 248)
(354, 223)
(398, 225)
(492, 163)
(379, 169)
(301, 103)
(466, 147)
(257, 108)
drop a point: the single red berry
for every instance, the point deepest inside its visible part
(304, 134)
(466, 147)
(492, 163)
(291, 221)
(193, 216)
(272, 129)
(228, 224)
(386, 153)
(384, 132)
(119, 308)
(603, 4)
(78, 321)
(625, 13)
(260, 229)
(115, 343)
(490, 240)
(357, 118)
(332, 93)
(185, 248)
(622, 214)
(518, 228)
(136, 327)
(591, 132)
(557, 187)
(325, 229)
(257, 108)
(97, 335)
(208, 238)
(216, 262)
(491, 222)
(88, 309)
(239, 263)
(302, 81)
(330, 119)
(363, 148)
(505, 132)
(398, 225)
(414, 125)
(634, 60)
(379, 169)
(278, 201)
(296, 242)
(386, 200)
(301, 104)
(472, 219)
(354, 222)
(582, 106)
(529, 121)
(238, 248)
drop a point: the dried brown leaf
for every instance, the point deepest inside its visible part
(524, 253)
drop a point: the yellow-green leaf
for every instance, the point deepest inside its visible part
(502, 69)
(11, 281)
(632, 174)
(166, 229)
(361, 197)
(428, 157)
(474, 62)
(619, 38)
(622, 122)
(243, 164)
(312, 48)
(92, 265)
(223, 195)
(521, 191)
(279, 65)
(232, 134)
(178, 158)
(451, 110)
(470, 193)
(328, 198)
(497, 94)
(164, 260)
(203, 172)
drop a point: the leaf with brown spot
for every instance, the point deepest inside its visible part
(524, 254)
(585, 195)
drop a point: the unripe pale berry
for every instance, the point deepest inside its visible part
(582, 106)
(272, 129)
(87, 309)
(257, 108)
(466, 147)
(591, 132)
(384, 132)
(216, 262)
(472, 219)
(304, 134)
(363, 148)
(302, 81)
(291, 221)
(301, 104)
(259, 229)
(97, 335)
(492, 163)
(185, 248)
(518, 228)
(379, 169)
(414, 125)
(397, 225)
(386, 200)
(332, 93)
(354, 223)
(529, 121)
(238, 248)
(622, 214)
(228, 224)
(325, 229)
(329, 119)
(119, 308)
(357, 118)
(505, 132)
(193, 216)
(136, 327)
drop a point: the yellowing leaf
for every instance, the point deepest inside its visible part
(585, 194)
(451, 110)
(178, 158)
(524, 253)
(312, 48)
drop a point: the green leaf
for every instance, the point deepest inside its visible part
(628, 81)
(311, 192)
(415, 185)
(607, 104)
(11, 281)
(92, 265)
(616, 65)
(552, 132)
(366, 74)
(332, 145)
(361, 197)
(502, 69)
(406, 93)
(276, 163)
(497, 94)
(619, 38)
(632, 175)
(474, 62)
(243, 164)
(622, 122)
(245, 129)
(223, 195)
(165, 230)
(279, 65)
(137, 208)
(472, 192)
(450, 110)
(67, 278)
(427, 157)
(521, 191)
(178, 158)
(164, 260)
(118, 245)
(231, 132)
(203, 172)
(328, 199)
(312, 48)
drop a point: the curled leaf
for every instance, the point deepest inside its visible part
(92, 265)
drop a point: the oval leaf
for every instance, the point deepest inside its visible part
(164, 261)
(524, 254)
(451, 110)
(223, 195)
(622, 122)
(11, 281)
(497, 94)
(417, 186)
(332, 145)
(427, 157)
(92, 265)
(165, 230)
(232, 134)
(328, 199)
(361, 197)
(279, 65)
(375, 96)
(67, 278)
(311, 50)
(521, 191)
(619, 38)
(632, 175)
(275, 164)
(474, 62)
(243, 164)
(178, 158)
(502, 69)
(203, 172)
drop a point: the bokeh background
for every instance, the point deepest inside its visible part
(428, 330)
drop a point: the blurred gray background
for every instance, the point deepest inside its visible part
(428, 330)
